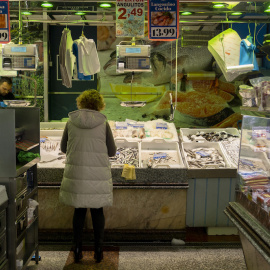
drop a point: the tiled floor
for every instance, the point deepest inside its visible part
(143, 258)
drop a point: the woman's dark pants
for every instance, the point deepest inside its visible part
(98, 221)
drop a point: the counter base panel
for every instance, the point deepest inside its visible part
(206, 200)
(133, 209)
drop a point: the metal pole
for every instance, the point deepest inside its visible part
(46, 68)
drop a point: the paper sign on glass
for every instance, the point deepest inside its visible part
(130, 18)
(4, 22)
(163, 19)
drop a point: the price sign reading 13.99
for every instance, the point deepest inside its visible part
(163, 20)
(4, 22)
(163, 32)
(130, 18)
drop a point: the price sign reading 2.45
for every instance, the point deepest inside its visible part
(123, 14)
(163, 32)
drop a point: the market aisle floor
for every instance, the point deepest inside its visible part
(143, 258)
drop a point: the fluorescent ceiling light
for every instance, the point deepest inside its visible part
(185, 13)
(236, 13)
(105, 5)
(47, 4)
(26, 13)
(80, 13)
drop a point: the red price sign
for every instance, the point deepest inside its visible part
(124, 15)
(129, 18)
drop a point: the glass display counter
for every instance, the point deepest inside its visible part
(250, 211)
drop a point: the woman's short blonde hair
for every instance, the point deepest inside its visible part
(90, 99)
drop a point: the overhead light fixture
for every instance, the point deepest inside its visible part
(105, 5)
(80, 13)
(26, 13)
(47, 4)
(219, 5)
(186, 13)
(236, 13)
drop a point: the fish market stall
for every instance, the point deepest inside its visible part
(156, 190)
(163, 178)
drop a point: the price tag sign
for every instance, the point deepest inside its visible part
(130, 18)
(4, 22)
(163, 20)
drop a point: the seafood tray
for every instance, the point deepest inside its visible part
(160, 154)
(127, 153)
(232, 149)
(169, 134)
(50, 153)
(209, 155)
(145, 131)
(208, 134)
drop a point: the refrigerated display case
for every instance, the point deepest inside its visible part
(250, 211)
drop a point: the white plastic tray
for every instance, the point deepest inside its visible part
(169, 135)
(51, 133)
(126, 144)
(216, 145)
(160, 145)
(184, 132)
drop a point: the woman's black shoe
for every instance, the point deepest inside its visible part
(98, 256)
(77, 254)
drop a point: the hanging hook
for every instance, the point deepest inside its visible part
(82, 30)
(249, 33)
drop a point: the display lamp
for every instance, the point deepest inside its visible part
(26, 13)
(267, 10)
(236, 13)
(105, 5)
(80, 13)
(47, 5)
(186, 13)
(218, 5)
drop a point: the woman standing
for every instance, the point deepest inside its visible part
(87, 183)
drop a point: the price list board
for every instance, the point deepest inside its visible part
(130, 18)
(163, 20)
(4, 22)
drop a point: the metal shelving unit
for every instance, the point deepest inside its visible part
(20, 179)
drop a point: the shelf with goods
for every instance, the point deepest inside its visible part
(19, 175)
(250, 212)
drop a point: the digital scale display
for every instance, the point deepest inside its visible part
(133, 50)
(18, 49)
